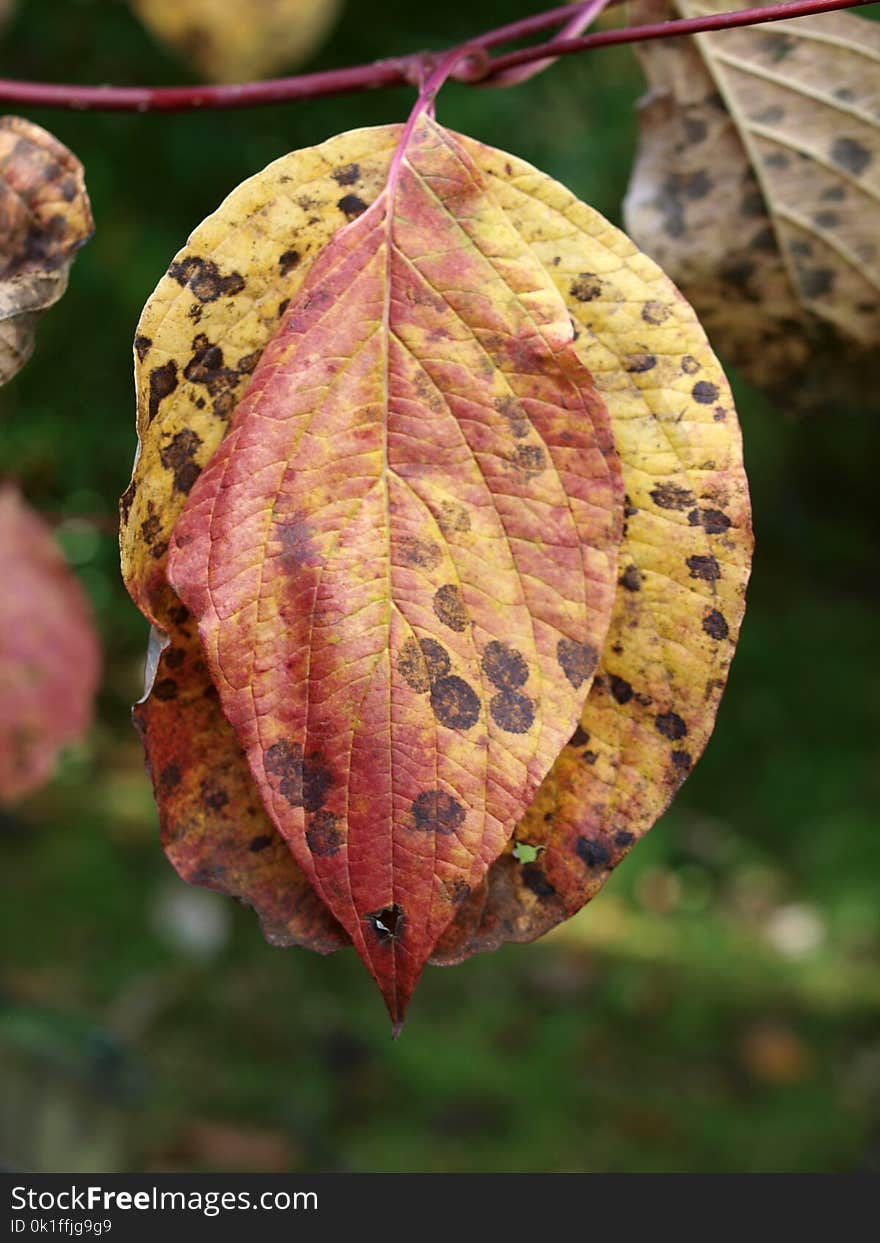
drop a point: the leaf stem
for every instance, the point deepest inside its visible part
(410, 70)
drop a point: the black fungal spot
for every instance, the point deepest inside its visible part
(827, 219)
(388, 924)
(422, 552)
(207, 366)
(715, 625)
(435, 811)
(586, 287)
(455, 703)
(324, 835)
(640, 362)
(621, 690)
(504, 666)
(203, 278)
(297, 545)
(706, 568)
(151, 527)
(682, 762)
(704, 392)
(346, 174)
(590, 757)
(412, 667)
(594, 854)
(577, 660)
(316, 782)
(833, 194)
(436, 658)
(671, 496)
(579, 738)
(850, 154)
(623, 838)
(178, 457)
(170, 777)
(174, 657)
(631, 579)
(670, 725)
(800, 249)
(259, 843)
(163, 382)
(141, 346)
(449, 607)
(689, 365)
(713, 521)
(778, 46)
(351, 206)
(288, 261)
(304, 782)
(179, 614)
(530, 458)
(513, 711)
(282, 306)
(815, 282)
(535, 880)
(458, 891)
(214, 796)
(655, 313)
(165, 689)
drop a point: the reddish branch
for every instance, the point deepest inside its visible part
(481, 69)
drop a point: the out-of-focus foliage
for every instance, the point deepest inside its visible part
(743, 935)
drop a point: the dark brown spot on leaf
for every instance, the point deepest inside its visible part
(165, 689)
(593, 854)
(504, 666)
(178, 457)
(455, 703)
(288, 261)
(351, 206)
(163, 382)
(706, 568)
(655, 313)
(640, 362)
(513, 711)
(577, 660)
(671, 496)
(259, 843)
(453, 518)
(449, 607)
(324, 834)
(586, 287)
(621, 690)
(631, 579)
(704, 392)
(435, 811)
(204, 279)
(715, 625)
(421, 552)
(346, 174)
(850, 154)
(670, 725)
(579, 738)
(713, 521)
(530, 458)
(141, 346)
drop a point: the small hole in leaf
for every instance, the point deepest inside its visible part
(388, 923)
(525, 852)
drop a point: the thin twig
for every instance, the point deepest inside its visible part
(387, 73)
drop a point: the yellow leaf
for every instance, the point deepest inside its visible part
(237, 40)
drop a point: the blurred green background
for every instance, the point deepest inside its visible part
(716, 1008)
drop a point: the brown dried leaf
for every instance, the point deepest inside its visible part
(236, 40)
(49, 654)
(45, 217)
(757, 188)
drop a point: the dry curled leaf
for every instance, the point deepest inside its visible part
(683, 560)
(757, 188)
(44, 219)
(236, 40)
(49, 654)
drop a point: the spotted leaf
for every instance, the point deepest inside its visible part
(771, 132)
(44, 219)
(683, 567)
(401, 688)
(49, 654)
